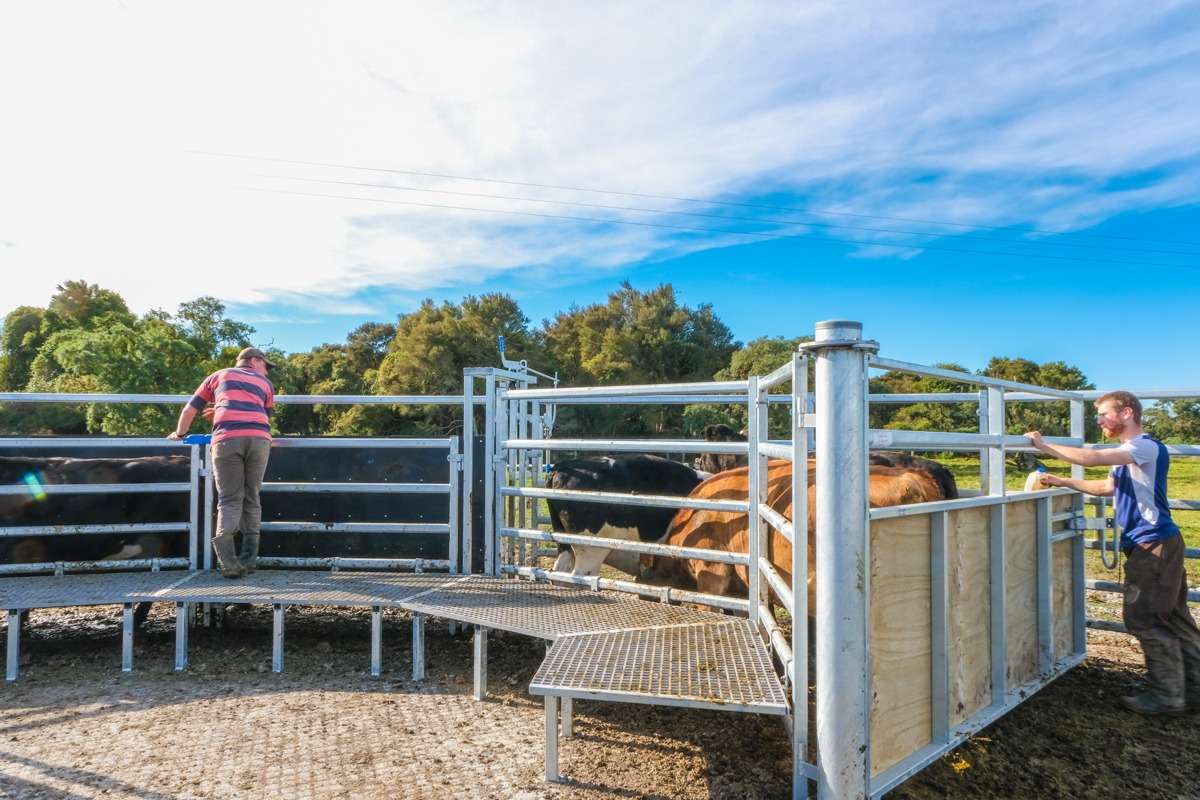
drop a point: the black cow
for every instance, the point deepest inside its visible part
(943, 476)
(712, 463)
(627, 474)
(33, 508)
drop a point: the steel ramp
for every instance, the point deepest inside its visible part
(92, 589)
(546, 611)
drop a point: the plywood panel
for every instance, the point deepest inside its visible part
(968, 555)
(900, 640)
(1062, 599)
(1020, 591)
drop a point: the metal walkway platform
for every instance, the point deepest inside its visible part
(546, 611)
(95, 589)
(301, 588)
(723, 667)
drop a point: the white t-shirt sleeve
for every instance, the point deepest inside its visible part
(1143, 451)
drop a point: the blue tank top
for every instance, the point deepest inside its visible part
(1141, 494)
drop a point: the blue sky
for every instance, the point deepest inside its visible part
(1008, 120)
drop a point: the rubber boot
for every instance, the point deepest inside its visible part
(1191, 675)
(224, 547)
(1164, 669)
(249, 554)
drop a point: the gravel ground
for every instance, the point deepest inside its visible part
(74, 727)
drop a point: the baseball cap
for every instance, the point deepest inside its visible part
(253, 352)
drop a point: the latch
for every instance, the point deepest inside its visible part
(457, 460)
(1090, 524)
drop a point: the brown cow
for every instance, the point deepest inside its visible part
(729, 532)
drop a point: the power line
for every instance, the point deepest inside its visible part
(677, 199)
(758, 234)
(759, 220)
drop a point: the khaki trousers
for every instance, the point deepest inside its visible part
(239, 465)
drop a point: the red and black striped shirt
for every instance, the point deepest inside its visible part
(244, 400)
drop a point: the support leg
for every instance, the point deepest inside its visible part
(480, 662)
(418, 647)
(182, 620)
(551, 738)
(568, 718)
(376, 641)
(277, 639)
(14, 644)
(127, 638)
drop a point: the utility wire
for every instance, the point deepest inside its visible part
(758, 220)
(758, 234)
(676, 199)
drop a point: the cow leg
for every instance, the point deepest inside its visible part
(140, 613)
(565, 561)
(588, 560)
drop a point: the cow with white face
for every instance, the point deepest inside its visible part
(626, 474)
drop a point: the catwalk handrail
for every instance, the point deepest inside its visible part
(280, 399)
(968, 377)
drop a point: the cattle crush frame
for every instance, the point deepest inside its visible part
(1024, 549)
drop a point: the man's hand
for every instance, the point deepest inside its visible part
(1046, 479)
(1035, 438)
(174, 436)
(209, 412)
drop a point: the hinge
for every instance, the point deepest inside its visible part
(806, 420)
(456, 459)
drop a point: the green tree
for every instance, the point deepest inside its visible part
(1175, 421)
(1051, 418)
(633, 338)
(924, 416)
(86, 305)
(431, 348)
(25, 329)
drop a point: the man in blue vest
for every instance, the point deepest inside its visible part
(1155, 608)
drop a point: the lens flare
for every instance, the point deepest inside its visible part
(35, 486)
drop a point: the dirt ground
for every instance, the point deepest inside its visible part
(74, 726)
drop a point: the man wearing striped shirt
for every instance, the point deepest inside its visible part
(241, 444)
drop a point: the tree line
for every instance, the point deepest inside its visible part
(87, 340)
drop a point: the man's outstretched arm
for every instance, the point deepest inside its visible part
(1082, 456)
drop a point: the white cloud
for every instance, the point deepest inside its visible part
(840, 105)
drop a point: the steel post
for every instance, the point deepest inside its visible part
(127, 638)
(480, 687)
(277, 638)
(468, 475)
(418, 647)
(754, 496)
(551, 738)
(802, 442)
(995, 454)
(843, 561)
(376, 641)
(182, 620)
(489, 481)
(13, 658)
(194, 507)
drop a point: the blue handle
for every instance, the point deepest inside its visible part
(197, 438)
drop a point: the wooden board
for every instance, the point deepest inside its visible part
(968, 557)
(1062, 599)
(901, 643)
(1020, 591)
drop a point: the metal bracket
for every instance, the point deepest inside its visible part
(457, 460)
(806, 420)
(869, 345)
(1090, 523)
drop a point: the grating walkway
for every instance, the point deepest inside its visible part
(97, 589)
(723, 666)
(301, 587)
(546, 611)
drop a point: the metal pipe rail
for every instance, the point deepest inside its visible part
(778, 522)
(339, 562)
(628, 445)
(887, 512)
(74, 530)
(355, 527)
(356, 488)
(1193, 595)
(284, 399)
(881, 438)
(64, 442)
(1043, 392)
(1094, 544)
(632, 390)
(344, 441)
(92, 488)
(59, 567)
(616, 498)
(663, 593)
(777, 583)
(649, 548)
